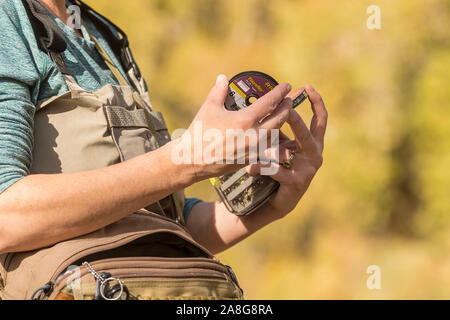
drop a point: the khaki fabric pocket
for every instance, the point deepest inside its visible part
(160, 127)
(131, 131)
(154, 278)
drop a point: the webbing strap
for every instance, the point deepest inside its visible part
(70, 81)
(112, 66)
(119, 45)
(50, 39)
(48, 35)
(109, 62)
(121, 117)
(121, 79)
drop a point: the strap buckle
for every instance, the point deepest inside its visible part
(128, 60)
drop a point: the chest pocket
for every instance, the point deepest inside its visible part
(135, 132)
(83, 130)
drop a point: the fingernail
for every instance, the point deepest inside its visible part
(221, 78)
(289, 87)
(309, 87)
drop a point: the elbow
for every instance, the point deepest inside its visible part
(3, 249)
(12, 222)
(5, 246)
(15, 237)
(6, 239)
(9, 242)
(14, 244)
(4, 242)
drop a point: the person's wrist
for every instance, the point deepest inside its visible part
(182, 173)
(274, 213)
(262, 217)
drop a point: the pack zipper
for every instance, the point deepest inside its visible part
(123, 241)
(166, 270)
(197, 268)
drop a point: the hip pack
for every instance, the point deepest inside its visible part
(143, 256)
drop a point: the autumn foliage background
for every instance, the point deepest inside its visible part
(382, 196)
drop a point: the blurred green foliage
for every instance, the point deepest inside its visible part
(382, 196)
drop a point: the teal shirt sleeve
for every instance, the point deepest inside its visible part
(189, 203)
(19, 76)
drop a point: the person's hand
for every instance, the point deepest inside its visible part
(208, 132)
(308, 147)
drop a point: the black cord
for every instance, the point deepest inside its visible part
(43, 291)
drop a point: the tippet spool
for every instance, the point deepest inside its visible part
(242, 193)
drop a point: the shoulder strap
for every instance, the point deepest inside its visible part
(49, 38)
(52, 41)
(104, 54)
(48, 35)
(118, 45)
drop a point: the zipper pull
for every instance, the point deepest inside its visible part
(102, 289)
(100, 285)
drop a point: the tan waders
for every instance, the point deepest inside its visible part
(147, 255)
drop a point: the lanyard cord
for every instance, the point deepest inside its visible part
(109, 62)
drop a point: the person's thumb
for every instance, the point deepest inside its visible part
(219, 92)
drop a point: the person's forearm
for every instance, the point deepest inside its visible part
(40, 210)
(213, 226)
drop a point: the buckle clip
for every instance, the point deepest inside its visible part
(129, 61)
